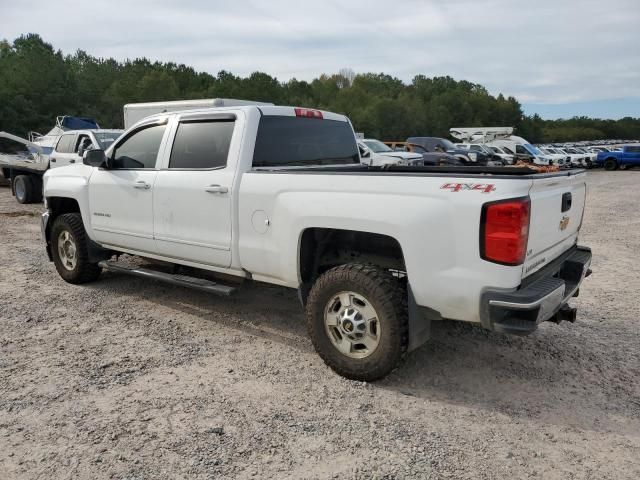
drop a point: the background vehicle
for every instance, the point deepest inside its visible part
(492, 158)
(502, 137)
(428, 158)
(278, 195)
(560, 159)
(31, 158)
(71, 146)
(503, 153)
(375, 153)
(578, 159)
(442, 145)
(629, 156)
(589, 157)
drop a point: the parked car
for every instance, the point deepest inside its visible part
(375, 153)
(559, 159)
(578, 159)
(443, 145)
(589, 156)
(503, 153)
(629, 156)
(428, 158)
(278, 195)
(492, 159)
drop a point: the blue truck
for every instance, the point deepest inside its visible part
(629, 156)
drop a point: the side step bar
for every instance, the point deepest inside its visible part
(181, 280)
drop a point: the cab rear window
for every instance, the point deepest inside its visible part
(285, 141)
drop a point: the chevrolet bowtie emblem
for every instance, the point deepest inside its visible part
(564, 222)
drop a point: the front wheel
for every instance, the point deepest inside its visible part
(357, 321)
(70, 249)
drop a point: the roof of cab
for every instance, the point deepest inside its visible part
(270, 110)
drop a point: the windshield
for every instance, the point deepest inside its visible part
(532, 149)
(495, 150)
(284, 140)
(376, 146)
(448, 145)
(105, 139)
(418, 148)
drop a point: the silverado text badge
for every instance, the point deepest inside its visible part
(564, 222)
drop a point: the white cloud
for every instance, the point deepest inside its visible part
(548, 51)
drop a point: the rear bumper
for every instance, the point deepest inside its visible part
(540, 298)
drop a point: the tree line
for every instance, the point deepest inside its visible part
(38, 82)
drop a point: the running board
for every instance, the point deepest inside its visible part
(181, 280)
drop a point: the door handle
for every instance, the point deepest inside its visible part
(142, 184)
(52, 159)
(216, 189)
(72, 161)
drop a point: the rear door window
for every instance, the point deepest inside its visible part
(284, 141)
(201, 144)
(65, 144)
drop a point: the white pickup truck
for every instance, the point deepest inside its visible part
(278, 195)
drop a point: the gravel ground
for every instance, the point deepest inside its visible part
(129, 379)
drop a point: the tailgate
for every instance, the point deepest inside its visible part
(557, 204)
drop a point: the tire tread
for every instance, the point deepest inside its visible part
(85, 271)
(392, 300)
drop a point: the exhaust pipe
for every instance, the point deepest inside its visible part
(566, 313)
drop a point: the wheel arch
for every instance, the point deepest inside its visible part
(321, 248)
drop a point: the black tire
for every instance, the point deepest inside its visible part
(82, 271)
(23, 189)
(610, 164)
(36, 189)
(386, 295)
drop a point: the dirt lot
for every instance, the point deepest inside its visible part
(129, 379)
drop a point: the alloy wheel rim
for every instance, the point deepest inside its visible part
(352, 324)
(67, 250)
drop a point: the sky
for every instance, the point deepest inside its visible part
(559, 58)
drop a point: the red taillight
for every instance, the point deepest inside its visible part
(504, 231)
(308, 113)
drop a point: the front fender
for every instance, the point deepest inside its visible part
(70, 182)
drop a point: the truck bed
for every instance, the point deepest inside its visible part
(443, 171)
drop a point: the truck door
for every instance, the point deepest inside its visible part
(631, 155)
(121, 197)
(64, 152)
(193, 191)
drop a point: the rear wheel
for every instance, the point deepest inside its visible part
(23, 189)
(357, 321)
(70, 249)
(610, 164)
